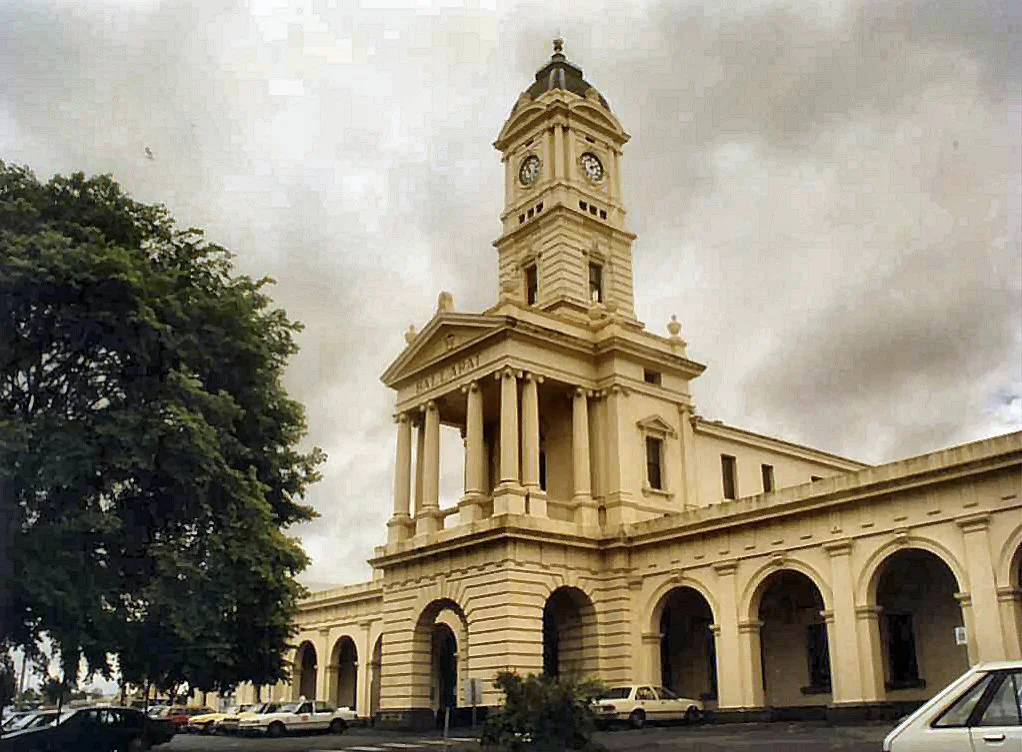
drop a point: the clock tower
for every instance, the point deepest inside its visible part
(564, 247)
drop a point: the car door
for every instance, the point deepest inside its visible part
(669, 705)
(324, 714)
(997, 722)
(303, 716)
(646, 700)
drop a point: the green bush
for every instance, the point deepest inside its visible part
(542, 714)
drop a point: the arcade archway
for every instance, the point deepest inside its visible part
(688, 660)
(344, 661)
(569, 634)
(306, 663)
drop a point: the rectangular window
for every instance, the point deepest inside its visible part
(901, 651)
(595, 283)
(818, 656)
(531, 284)
(654, 450)
(768, 478)
(542, 471)
(651, 377)
(729, 474)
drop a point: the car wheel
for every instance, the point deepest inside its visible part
(275, 730)
(637, 719)
(338, 726)
(136, 745)
(207, 728)
(692, 715)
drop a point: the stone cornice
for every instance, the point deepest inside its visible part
(749, 438)
(346, 594)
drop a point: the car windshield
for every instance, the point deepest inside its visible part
(20, 722)
(616, 693)
(260, 708)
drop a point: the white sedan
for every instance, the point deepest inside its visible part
(981, 710)
(304, 715)
(637, 704)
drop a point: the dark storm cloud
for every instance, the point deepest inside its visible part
(827, 194)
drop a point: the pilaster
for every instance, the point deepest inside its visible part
(986, 614)
(842, 638)
(730, 672)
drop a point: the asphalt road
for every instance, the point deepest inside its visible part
(773, 737)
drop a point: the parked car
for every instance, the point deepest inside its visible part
(179, 715)
(209, 722)
(229, 725)
(94, 729)
(980, 710)
(638, 704)
(304, 715)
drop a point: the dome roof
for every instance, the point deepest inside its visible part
(561, 74)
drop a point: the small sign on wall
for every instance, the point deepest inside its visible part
(472, 691)
(960, 636)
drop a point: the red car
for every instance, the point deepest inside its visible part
(179, 716)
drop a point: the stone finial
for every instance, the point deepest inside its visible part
(411, 334)
(558, 45)
(674, 327)
(444, 302)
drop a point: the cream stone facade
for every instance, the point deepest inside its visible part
(608, 530)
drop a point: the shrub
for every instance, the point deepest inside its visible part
(542, 714)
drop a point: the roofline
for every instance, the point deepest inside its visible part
(722, 430)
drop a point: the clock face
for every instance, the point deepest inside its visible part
(528, 173)
(593, 166)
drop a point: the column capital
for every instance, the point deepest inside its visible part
(1009, 595)
(619, 390)
(580, 391)
(472, 386)
(867, 613)
(827, 616)
(652, 638)
(505, 373)
(725, 568)
(751, 626)
(964, 599)
(529, 376)
(974, 523)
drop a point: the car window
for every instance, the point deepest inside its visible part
(291, 707)
(616, 693)
(666, 694)
(1003, 708)
(960, 710)
(645, 693)
(323, 707)
(305, 708)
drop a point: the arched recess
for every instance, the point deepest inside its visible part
(307, 667)
(684, 618)
(793, 641)
(344, 661)
(1011, 597)
(913, 590)
(375, 675)
(570, 643)
(440, 647)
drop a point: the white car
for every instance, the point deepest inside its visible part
(980, 710)
(304, 715)
(637, 704)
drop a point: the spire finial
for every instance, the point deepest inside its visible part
(558, 44)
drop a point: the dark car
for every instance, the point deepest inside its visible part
(93, 729)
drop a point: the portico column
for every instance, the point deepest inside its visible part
(420, 451)
(750, 650)
(1010, 600)
(585, 510)
(399, 526)
(427, 519)
(730, 669)
(845, 676)
(470, 505)
(986, 616)
(871, 667)
(530, 445)
(508, 497)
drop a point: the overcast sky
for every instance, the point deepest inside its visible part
(827, 194)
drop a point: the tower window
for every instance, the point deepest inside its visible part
(654, 457)
(603, 213)
(531, 284)
(592, 210)
(539, 207)
(531, 212)
(595, 283)
(583, 205)
(768, 478)
(521, 218)
(651, 377)
(729, 475)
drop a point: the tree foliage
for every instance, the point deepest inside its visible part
(149, 454)
(542, 713)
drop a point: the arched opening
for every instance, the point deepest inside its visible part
(375, 677)
(345, 662)
(440, 648)
(688, 659)
(918, 620)
(444, 667)
(794, 646)
(569, 635)
(1015, 603)
(307, 667)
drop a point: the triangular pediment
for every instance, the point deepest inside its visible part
(444, 336)
(656, 425)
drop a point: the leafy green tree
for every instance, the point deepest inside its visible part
(150, 457)
(8, 682)
(542, 713)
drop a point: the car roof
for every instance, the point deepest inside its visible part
(999, 665)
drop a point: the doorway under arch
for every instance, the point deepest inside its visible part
(444, 667)
(375, 677)
(345, 661)
(794, 644)
(569, 635)
(305, 660)
(915, 591)
(440, 655)
(688, 658)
